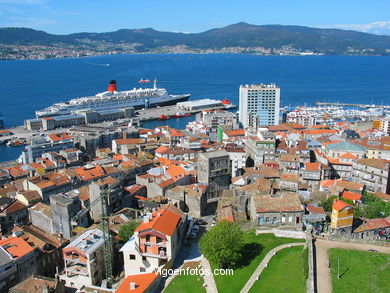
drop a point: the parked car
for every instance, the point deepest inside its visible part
(201, 222)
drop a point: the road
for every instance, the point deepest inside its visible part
(324, 281)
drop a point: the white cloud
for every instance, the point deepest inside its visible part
(376, 27)
(31, 22)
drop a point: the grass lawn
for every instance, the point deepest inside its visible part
(256, 247)
(360, 271)
(285, 272)
(186, 283)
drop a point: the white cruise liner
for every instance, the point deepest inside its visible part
(112, 99)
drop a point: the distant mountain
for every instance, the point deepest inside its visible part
(244, 35)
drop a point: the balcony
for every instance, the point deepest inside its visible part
(148, 243)
(74, 259)
(160, 255)
(76, 271)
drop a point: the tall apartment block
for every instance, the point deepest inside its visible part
(259, 105)
(84, 260)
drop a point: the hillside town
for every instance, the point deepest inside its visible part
(95, 48)
(67, 205)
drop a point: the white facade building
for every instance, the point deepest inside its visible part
(259, 104)
(84, 260)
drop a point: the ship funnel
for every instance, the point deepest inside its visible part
(112, 86)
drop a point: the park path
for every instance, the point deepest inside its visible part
(211, 287)
(264, 264)
(324, 281)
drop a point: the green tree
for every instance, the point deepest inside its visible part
(223, 244)
(327, 204)
(373, 207)
(127, 230)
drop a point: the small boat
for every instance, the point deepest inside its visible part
(181, 114)
(225, 102)
(144, 80)
(163, 117)
(14, 143)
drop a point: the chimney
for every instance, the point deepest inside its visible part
(132, 286)
(112, 86)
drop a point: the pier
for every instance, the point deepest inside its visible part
(20, 133)
(365, 106)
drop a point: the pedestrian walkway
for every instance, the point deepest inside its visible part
(255, 276)
(211, 287)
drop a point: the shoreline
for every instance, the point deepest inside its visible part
(193, 53)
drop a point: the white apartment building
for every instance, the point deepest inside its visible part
(154, 244)
(84, 260)
(385, 125)
(259, 105)
(302, 117)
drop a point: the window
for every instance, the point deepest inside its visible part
(267, 220)
(261, 220)
(275, 220)
(290, 218)
(142, 269)
(132, 256)
(144, 258)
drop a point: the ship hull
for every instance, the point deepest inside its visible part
(168, 103)
(172, 101)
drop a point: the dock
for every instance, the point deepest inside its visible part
(25, 135)
(364, 106)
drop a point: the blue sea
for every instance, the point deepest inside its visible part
(29, 85)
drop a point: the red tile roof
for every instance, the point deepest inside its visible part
(161, 149)
(373, 224)
(176, 172)
(16, 246)
(174, 132)
(87, 174)
(312, 166)
(59, 136)
(285, 202)
(375, 163)
(348, 156)
(129, 141)
(142, 283)
(163, 221)
(351, 195)
(14, 207)
(239, 132)
(319, 131)
(382, 195)
(339, 205)
(315, 209)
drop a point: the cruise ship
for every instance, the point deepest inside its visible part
(113, 99)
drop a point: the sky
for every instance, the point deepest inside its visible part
(70, 16)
